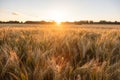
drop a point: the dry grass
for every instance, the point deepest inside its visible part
(59, 53)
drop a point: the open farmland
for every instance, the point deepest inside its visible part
(59, 52)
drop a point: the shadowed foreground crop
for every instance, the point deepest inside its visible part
(59, 53)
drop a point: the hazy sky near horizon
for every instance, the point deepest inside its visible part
(60, 10)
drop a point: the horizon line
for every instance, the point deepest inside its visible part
(60, 21)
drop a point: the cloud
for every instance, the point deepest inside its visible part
(7, 14)
(7, 11)
(16, 13)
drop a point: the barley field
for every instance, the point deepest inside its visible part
(59, 52)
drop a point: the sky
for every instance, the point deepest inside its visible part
(60, 10)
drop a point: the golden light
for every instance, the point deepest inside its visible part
(58, 16)
(58, 23)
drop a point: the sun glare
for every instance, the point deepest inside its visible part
(58, 16)
(58, 23)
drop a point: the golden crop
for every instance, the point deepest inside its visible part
(33, 52)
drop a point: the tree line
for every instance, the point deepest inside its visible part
(67, 22)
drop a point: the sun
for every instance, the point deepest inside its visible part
(58, 23)
(58, 16)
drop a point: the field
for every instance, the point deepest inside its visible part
(59, 52)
